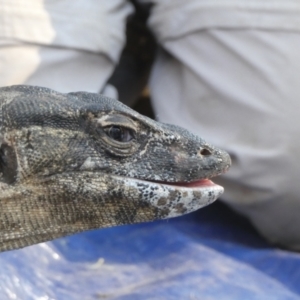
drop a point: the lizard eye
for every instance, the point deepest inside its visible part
(120, 134)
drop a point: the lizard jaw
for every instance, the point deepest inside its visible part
(175, 199)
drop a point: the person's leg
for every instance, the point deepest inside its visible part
(64, 70)
(61, 45)
(239, 89)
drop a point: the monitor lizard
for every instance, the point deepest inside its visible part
(79, 161)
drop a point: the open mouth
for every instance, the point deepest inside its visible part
(194, 184)
(200, 183)
(197, 185)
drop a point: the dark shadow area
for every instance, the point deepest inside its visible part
(132, 73)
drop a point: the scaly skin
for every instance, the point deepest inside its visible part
(79, 161)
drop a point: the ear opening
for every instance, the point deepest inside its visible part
(8, 164)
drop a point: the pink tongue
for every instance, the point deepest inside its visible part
(198, 183)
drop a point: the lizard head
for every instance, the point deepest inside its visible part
(72, 162)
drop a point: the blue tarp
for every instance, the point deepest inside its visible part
(209, 254)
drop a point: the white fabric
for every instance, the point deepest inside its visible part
(89, 25)
(61, 69)
(239, 89)
(65, 45)
(174, 18)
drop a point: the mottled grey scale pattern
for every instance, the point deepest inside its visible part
(63, 171)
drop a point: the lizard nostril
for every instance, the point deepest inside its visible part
(205, 152)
